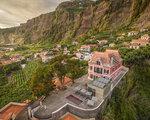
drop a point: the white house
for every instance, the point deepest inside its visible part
(132, 33)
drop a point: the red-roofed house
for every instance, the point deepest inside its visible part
(143, 41)
(85, 48)
(104, 64)
(84, 53)
(11, 110)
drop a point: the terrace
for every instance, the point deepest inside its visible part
(59, 99)
(58, 103)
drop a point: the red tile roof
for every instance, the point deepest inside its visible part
(85, 46)
(105, 57)
(11, 110)
(145, 39)
(69, 117)
(88, 46)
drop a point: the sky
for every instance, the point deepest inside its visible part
(14, 12)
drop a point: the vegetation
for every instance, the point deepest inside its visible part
(76, 69)
(41, 82)
(131, 100)
(64, 66)
(131, 56)
(16, 88)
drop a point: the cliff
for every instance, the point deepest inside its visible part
(77, 17)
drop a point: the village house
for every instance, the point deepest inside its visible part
(102, 42)
(123, 34)
(7, 49)
(23, 66)
(104, 64)
(75, 43)
(66, 51)
(84, 53)
(143, 41)
(112, 45)
(45, 56)
(83, 56)
(16, 58)
(12, 59)
(85, 48)
(132, 33)
(120, 37)
(143, 30)
(12, 110)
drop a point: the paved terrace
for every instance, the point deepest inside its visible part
(57, 103)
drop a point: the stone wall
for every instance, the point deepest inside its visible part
(83, 113)
(80, 112)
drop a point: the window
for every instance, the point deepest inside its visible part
(95, 77)
(98, 70)
(106, 71)
(113, 60)
(91, 67)
(98, 63)
(91, 76)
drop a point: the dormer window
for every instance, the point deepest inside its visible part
(112, 60)
(98, 62)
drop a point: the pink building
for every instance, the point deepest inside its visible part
(104, 64)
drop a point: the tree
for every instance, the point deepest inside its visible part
(75, 69)
(60, 71)
(3, 79)
(131, 100)
(41, 81)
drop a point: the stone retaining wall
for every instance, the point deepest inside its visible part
(83, 113)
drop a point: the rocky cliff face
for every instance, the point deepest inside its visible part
(74, 18)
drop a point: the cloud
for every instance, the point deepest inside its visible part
(14, 12)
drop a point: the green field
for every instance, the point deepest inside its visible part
(17, 89)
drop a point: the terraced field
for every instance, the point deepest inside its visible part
(17, 89)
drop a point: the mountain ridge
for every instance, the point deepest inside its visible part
(73, 18)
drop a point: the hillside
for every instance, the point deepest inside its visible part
(130, 101)
(71, 19)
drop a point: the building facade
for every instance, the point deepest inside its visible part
(104, 64)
